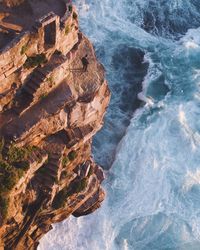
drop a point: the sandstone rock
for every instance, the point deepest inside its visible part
(49, 111)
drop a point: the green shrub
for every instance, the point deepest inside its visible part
(82, 184)
(75, 16)
(42, 96)
(1, 145)
(16, 154)
(11, 171)
(20, 172)
(4, 202)
(32, 148)
(60, 199)
(17, 157)
(70, 8)
(9, 176)
(23, 165)
(24, 49)
(35, 61)
(72, 155)
(50, 81)
(9, 181)
(65, 161)
(43, 170)
(63, 175)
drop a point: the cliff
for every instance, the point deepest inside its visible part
(52, 102)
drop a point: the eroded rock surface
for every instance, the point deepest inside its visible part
(50, 110)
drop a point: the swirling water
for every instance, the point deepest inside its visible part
(153, 186)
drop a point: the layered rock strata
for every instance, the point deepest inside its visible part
(50, 110)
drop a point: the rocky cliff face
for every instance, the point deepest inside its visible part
(50, 109)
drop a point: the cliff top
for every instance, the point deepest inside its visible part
(23, 17)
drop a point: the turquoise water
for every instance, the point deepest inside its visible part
(150, 144)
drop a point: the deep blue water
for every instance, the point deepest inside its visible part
(150, 144)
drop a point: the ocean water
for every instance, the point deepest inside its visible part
(150, 144)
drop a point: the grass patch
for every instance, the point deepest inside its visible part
(60, 198)
(18, 157)
(82, 184)
(67, 30)
(65, 161)
(74, 15)
(64, 175)
(9, 176)
(42, 96)
(12, 167)
(4, 202)
(72, 155)
(23, 165)
(16, 154)
(1, 146)
(50, 81)
(35, 61)
(90, 172)
(24, 49)
(43, 170)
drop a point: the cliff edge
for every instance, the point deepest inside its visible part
(53, 97)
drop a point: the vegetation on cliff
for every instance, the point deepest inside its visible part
(34, 61)
(13, 164)
(48, 100)
(76, 187)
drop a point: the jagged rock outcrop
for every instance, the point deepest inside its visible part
(50, 109)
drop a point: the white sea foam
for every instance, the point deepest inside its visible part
(126, 245)
(191, 45)
(192, 178)
(192, 39)
(147, 99)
